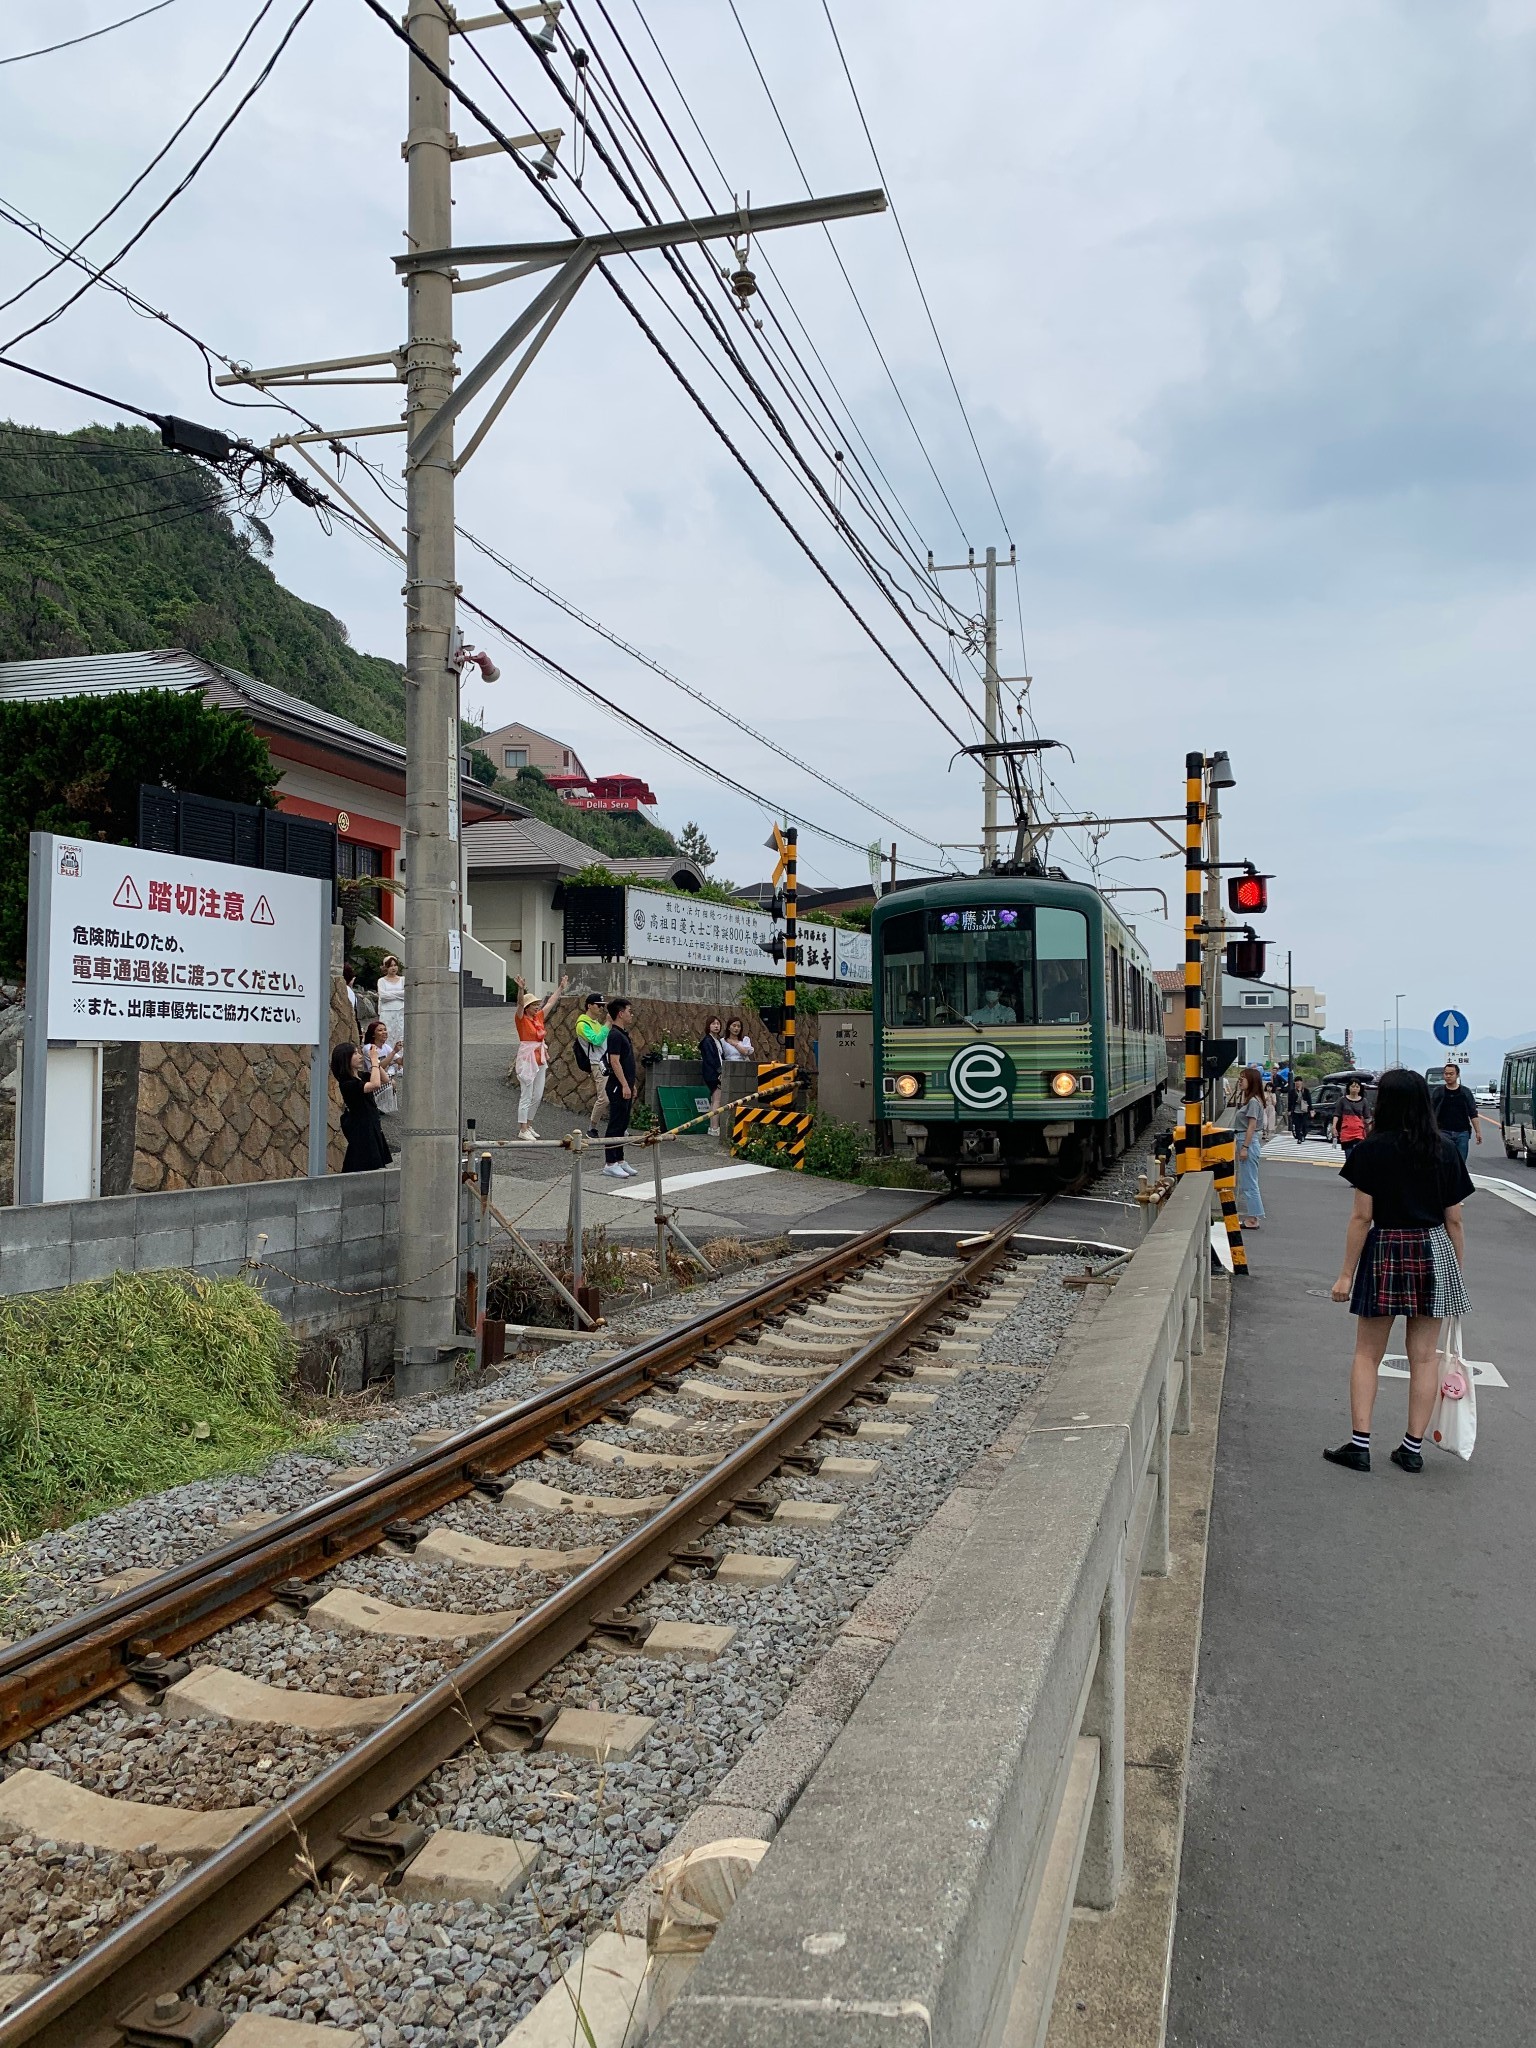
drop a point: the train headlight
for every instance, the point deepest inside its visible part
(909, 1086)
(1063, 1084)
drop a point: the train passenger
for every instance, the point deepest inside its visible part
(1250, 1139)
(1402, 1257)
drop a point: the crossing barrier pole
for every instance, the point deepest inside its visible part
(1189, 1157)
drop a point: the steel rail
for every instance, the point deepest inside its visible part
(168, 1945)
(86, 1656)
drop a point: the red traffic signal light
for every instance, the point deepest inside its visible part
(1245, 959)
(1248, 893)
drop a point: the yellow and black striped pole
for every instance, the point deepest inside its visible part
(1221, 1158)
(1190, 1151)
(791, 942)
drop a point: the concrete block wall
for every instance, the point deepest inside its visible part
(324, 1253)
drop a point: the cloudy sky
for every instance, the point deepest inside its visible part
(1240, 303)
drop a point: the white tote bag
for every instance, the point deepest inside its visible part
(1453, 1419)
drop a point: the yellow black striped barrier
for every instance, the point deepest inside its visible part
(772, 1108)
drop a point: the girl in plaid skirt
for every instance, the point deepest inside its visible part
(1402, 1257)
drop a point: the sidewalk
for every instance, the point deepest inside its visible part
(1358, 1862)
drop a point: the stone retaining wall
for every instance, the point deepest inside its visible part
(656, 1023)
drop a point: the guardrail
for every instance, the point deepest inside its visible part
(919, 1893)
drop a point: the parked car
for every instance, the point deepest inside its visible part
(1329, 1092)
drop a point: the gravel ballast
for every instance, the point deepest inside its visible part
(441, 1973)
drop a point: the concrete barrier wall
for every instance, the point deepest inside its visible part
(326, 1252)
(918, 1894)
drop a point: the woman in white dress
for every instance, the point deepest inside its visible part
(387, 1102)
(392, 999)
(736, 1045)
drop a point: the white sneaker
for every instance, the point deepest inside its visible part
(618, 1171)
(629, 1172)
(529, 1137)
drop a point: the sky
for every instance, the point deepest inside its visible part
(1239, 303)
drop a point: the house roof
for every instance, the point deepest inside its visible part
(1168, 978)
(529, 846)
(269, 709)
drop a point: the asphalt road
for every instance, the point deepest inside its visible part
(1358, 1855)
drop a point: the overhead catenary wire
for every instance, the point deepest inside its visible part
(377, 8)
(912, 266)
(171, 197)
(73, 42)
(808, 478)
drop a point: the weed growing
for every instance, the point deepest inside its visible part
(131, 1385)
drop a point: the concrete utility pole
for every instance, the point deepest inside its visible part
(432, 269)
(991, 711)
(429, 1150)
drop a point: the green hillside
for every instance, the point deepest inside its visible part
(108, 544)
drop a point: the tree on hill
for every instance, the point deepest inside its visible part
(110, 544)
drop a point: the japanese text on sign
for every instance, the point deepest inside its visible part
(161, 946)
(686, 931)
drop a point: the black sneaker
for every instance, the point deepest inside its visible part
(1411, 1461)
(1352, 1456)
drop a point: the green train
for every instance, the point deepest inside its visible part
(1017, 1021)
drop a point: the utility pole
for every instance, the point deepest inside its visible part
(429, 1150)
(991, 714)
(432, 269)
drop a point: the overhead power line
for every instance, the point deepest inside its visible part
(219, 134)
(912, 266)
(571, 681)
(90, 36)
(582, 618)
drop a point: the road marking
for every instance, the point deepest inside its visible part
(1507, 1191)
(1395, 1367)
(644, 1190)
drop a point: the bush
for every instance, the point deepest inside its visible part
(134, 1384)
(834, 1150)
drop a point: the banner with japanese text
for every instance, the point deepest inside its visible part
(162, 946)
(690, 931)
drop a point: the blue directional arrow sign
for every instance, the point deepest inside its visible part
(1451, 1027)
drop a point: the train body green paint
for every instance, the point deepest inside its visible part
(1017, 1021)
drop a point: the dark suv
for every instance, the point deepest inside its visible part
(1329, 1092)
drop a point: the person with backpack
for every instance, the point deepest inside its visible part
(592, 1056)
(1351, 1124)
(1402, 1257)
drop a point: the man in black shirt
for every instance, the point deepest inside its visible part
(1456, 1110)
(621, 1084)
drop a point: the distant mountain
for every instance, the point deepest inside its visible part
(108, 544)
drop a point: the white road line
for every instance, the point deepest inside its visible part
(1507, 1191)
(644, 1189)
(1395, 1367)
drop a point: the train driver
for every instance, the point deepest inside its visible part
(993, 1009)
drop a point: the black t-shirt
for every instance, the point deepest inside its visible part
(621, 1047)
(1455, 1108)
(1407, 1191)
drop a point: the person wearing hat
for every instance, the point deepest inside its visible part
(531, 1067)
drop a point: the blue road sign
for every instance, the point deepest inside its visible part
(1451, 1027)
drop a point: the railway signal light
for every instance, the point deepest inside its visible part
(1248, 893)
(1245, 959)
(773, 947)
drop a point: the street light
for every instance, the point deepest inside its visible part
(1386, 1024)
(1397, 1011)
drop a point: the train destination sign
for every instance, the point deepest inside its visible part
(161, 946)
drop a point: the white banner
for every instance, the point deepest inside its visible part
(855, 957)
(691, 931)
(160, 946)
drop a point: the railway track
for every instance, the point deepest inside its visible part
(810, 1345)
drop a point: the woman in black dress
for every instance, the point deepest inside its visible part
(1402, 1257)
(360, 1076)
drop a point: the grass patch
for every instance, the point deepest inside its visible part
(131, 1385)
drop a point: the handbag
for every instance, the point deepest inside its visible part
(1453, 1419)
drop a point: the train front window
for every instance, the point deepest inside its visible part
(1061, 965)
(981, 967)
(901, 949)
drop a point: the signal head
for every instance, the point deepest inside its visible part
(1248, 893)
(1245, 959)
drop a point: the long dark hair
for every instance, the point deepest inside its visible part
(341, 1061)
(1404, 1109)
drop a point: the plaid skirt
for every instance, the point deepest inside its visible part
(1408, 1273)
